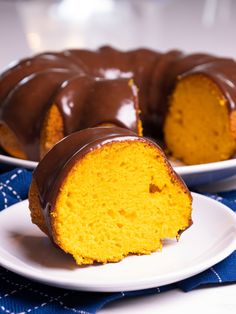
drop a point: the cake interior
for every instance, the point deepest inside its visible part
(119, 199)
(197, 128)
(52, 130)
(10, 143)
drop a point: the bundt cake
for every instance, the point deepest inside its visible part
(48, 96)
(103, 193)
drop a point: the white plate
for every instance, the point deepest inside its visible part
(17, 162)
(192, 175)
(207, 173)
(24, 249)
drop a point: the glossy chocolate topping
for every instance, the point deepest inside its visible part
(26, 67)
(109, 63)
(87, 102)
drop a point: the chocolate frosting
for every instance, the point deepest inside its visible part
(84, 103)
(110, 63)
(36, 64)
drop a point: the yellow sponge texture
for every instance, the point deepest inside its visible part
(119, 199)
(198, 127)
(52, 130)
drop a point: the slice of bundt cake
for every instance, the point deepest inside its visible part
(103, 193)
(200, 126)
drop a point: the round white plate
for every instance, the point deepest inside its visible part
(192, 175)
(206, 173)
(24, 249)
(17, 162)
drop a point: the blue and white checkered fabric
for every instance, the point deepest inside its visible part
(20, 295)
(14, 187)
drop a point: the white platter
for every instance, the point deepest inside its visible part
(192, 175)
(25, 250)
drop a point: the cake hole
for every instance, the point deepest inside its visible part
(132, 215)
(69, 203)
(108, 237)
(119, 225)
(122, 164)
(153, 188)
(129, 215)
(179, 117)
(111, 213)
(122, 212)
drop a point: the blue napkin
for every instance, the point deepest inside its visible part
(20, 295)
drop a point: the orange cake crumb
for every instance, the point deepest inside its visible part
(197, 127)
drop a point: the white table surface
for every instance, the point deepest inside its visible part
(28, 27)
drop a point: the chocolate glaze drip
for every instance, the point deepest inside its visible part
(154, 73)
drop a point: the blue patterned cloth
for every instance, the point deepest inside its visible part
(20, 295)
